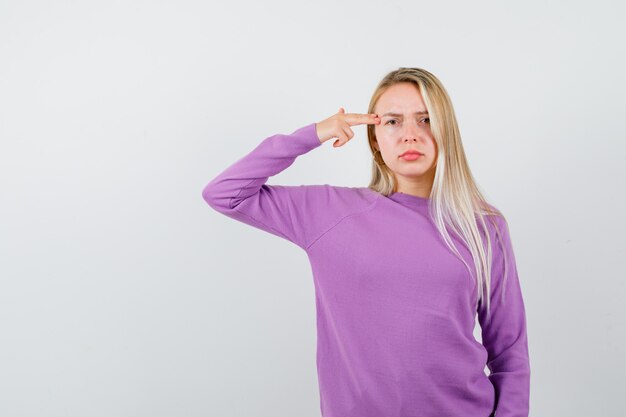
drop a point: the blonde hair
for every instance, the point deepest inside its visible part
(456, 201)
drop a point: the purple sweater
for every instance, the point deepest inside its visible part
(395, 307)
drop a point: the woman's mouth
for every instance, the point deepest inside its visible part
(411, 155)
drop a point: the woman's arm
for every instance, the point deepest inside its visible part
(504, 334)
(300, 214)
(241, 192)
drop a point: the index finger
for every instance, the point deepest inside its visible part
(354, 119)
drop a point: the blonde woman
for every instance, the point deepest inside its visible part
(401, 268)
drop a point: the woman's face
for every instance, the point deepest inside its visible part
(405, 126)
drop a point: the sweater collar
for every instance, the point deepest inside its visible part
(409, 199)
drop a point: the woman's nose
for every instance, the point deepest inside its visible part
(410, 132)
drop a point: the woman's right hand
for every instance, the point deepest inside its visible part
(338, 126)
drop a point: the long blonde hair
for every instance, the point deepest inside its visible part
(456, 201)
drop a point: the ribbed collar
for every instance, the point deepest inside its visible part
(409, 199)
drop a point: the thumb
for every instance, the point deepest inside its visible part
(341, 110)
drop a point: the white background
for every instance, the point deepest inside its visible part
(123, 294)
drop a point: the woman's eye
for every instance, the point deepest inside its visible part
(426, 119)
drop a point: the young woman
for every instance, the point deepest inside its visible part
(401, 268)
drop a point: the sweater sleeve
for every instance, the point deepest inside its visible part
(504, 333)
(291, 212)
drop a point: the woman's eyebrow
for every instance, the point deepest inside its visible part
(400, 115)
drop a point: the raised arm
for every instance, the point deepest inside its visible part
(296, 213)
(241, 192)
(504, 333)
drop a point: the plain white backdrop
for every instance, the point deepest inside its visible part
(122, 293)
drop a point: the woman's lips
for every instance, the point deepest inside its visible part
(411, 156)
